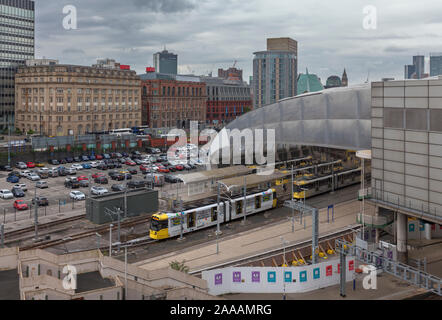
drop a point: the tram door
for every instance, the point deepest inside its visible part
(191, 219)
(238, 207)
(258, 202)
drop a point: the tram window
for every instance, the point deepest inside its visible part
(238, 207)
(274, 195)
(214, 214)
(258, 202)
(156, 225)
(191, 220)
(317, 186)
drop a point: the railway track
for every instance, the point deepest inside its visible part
(85, 234)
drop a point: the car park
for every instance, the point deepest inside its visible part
(6, 194)
(40, 201)
(13, 179)
(21, 186)
(98, 191)
(21, 165)
(77, 195)
(20, 205)
(42, 185)
(18, 192)
(101, 180)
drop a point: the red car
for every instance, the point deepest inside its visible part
(163, 169)
(20, 205)
(96, 175)
(30, 164)
(80, 178)
(179, 167)
(98, 157)
(130, 163)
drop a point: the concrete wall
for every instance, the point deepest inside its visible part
(276, 280)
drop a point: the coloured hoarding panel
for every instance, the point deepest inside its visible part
(316, 273)
(256, 275)
(329, 271)
(288, 276)
(271, 277)
(218, 279)
(236, 277)
(351, 265)
(303, 276)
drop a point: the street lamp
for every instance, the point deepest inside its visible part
(110, 239)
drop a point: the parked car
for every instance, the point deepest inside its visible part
(101, 180)
(132, 171)
(18, 192)
(54, 162)
(6, 168)
(77, 195)
(40, 201)
(112, 174)
(69, 160)
(77, 166)
(86, 165)
(172, 179)
(81, 178)
(33, 177)
(98, 191)
(62, 171)
(136, 184)
(125, 154)
(40, 164)
(102, 166)
(106, 156)
(30, 164)
(53, 173)
(20, 205)
(71, 171)
(72, 183)
(21, 165)
(84, 158)
(25, 173)
(130, 162)
(13, 179)
(42, 185)
(118, 187)
(6, 194)
(62, 161)
(77, 159)
(94, 164)
(21, 186)
(163, 169)
(96, 175)
(91, 157)
(84, 183)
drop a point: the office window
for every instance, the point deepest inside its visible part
(435, 120)
(394, 118)
(416, 119)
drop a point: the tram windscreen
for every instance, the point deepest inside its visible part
(156, 225)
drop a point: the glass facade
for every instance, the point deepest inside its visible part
(435, 65)
(16, 45)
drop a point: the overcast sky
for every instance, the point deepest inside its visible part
(208, 34)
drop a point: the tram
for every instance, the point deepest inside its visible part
(168, 225)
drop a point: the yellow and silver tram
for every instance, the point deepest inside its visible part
(167, 225)
(309, 186)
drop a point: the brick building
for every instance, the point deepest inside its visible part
(58, 100)
(172, 101)
(226, 99)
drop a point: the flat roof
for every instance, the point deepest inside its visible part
(9, 285)
(219, 173)
(119, 194)
(92, 281)
(252, 180)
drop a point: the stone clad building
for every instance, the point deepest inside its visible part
(58, 100)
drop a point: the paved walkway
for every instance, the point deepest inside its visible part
(256, 241)
(22, 224)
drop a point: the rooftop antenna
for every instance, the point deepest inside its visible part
(368, 77)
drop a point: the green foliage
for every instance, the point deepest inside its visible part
(179, 266)
(18, 131)
(31, 132)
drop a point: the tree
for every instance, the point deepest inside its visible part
(18, 131)
(31, 131)
(179, 266)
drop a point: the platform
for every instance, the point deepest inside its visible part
(255, 241)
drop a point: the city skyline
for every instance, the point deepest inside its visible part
(330, 40)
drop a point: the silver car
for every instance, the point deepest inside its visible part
(6, 194)
(33, 177)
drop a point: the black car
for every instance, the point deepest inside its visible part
(18, 192)
(54, 162)
(72, 183)
(171, 179)
(84, 158)
(113, 174)
(187, 167)
(84, 183)
(69, 160)
(136, 153)
(136, 184)
(41, 201)
(5, 168)
(118, 164)
(110, 165)
(118, 187)
(132, 171)
(118, 177)
(77, 159)
(62, 161)
(124, 154)
(14, 173)
(102, 166)
(101, 180)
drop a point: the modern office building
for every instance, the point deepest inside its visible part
(16, 45)
(60, 100)
(435, 64)
(275, 71)
(172, 101)
(417, 69)
(407, 153)
(226, 99)
(165, 62)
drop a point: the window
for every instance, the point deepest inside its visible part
(394, 118)
(435, 122)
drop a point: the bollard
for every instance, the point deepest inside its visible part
(4, 215)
